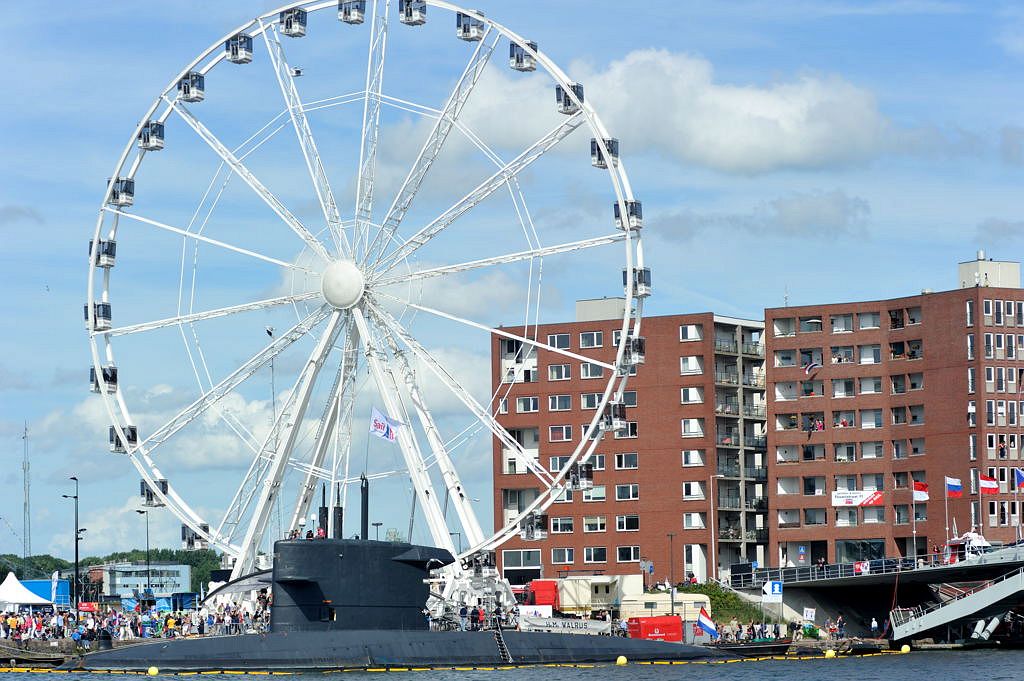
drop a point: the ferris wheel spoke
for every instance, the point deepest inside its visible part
(434, 143)
(481, 192)
(206, 240)
(502, 259)
(286, 81)
(339, 406)
(236, 378)
(209, 314)
(498, 332)
(280, 446)
(394, 327)
(247, 176)
(371, 123)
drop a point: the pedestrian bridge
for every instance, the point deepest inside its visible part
(989, 599)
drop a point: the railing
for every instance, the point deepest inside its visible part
(755, 441)
(729, 533)
(730, 439)
(727, 377)
(756, 535)
(730, 471)
(788, 524)
(754, 411)
(757, 503)
(757, 473)
(729, 502)
(725, 345)
(753, 380)
(727, 408)
(901, 616)
(755, 349)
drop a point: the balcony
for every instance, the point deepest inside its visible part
(754, 349)
(754, 411)
(755, 442)
(727, 408)
(757, 473)
(727, 377)
(730, 534)
(757, 504)
(789, 524)
(733, 503)
(728, 438)
(729, 470)
(753, 381)
(725, 345)
(756, 535)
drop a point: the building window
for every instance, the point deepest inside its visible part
(970, 346)
(520, 558)
(561, 556)
(989, 350)
(691, 332)
(692, 364)
(598, 461)
(629, 398)
(503, 405)
(595, 493)
(561, 525)
(970, 313)
(691, 395)
(594, 523)
(559, 433)
(626, 461)
(559, 402)
(559, 372)
(591, 370)
(693, 457)
(627, 523)
(595, 554)
(557, 463)
(693, 427)
(564, 497)
(693, 521)
(630, 492)
(693, 490)
(970, 379)
(559, 340)
(972, 416)
(972, 446)
(591, 339)
(527, 405)
(627, 554)
(590, 400)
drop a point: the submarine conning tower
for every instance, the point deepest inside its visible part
(338, 584)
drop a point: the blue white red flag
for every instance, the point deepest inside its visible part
(954, 488)
(705, 622)
(811, 366)
(383, 427)
(1018, 478)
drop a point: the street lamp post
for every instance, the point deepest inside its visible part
(78, 538)
(149, 573)
(376, 529)
(672, 572)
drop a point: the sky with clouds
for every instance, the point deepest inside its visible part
(828, 150)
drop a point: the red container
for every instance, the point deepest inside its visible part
(543, 592)
(663, 628)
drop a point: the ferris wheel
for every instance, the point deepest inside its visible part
(349, 293)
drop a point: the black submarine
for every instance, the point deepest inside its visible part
(356, 604)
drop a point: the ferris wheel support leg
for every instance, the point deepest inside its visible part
(279, 459)
(339, 407)
(453, 485)
(388, 389)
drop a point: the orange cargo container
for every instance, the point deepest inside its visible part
(664, 628)
(542, 592)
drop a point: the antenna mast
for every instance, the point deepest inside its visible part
(26, 536)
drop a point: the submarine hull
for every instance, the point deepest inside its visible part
(354, 649)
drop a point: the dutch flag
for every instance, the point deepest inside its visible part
(705, 622)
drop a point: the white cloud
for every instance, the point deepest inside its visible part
(996, 231)
(818, 214)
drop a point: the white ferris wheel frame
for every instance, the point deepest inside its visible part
(388, 332)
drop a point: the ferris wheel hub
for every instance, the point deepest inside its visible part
(342, 284)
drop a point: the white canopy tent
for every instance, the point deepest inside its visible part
(13, 593)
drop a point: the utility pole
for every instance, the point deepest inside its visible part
(26, 535)
(78, 538)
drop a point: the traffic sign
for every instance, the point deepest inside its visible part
(771, 592)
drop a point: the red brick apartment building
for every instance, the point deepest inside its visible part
(873, 396)
(696, 414)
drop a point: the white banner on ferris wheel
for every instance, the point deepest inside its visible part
(383, 427)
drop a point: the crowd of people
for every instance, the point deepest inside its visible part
(125, 625)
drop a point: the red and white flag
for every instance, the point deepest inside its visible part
(988, 485)
(920, 491)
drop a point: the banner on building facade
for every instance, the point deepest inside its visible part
(856, 498)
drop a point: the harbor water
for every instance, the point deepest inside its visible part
(947, 665)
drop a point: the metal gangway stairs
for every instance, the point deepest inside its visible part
(907, 622)
(506, 657)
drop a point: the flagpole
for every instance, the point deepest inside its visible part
(981, 525)
(945, 500)
(913, 516)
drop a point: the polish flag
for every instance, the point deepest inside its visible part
(920, 491)
(988, 485)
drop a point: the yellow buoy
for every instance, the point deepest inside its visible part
(905, 648)
(830, 653)
(152, 671)
(620, 660)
